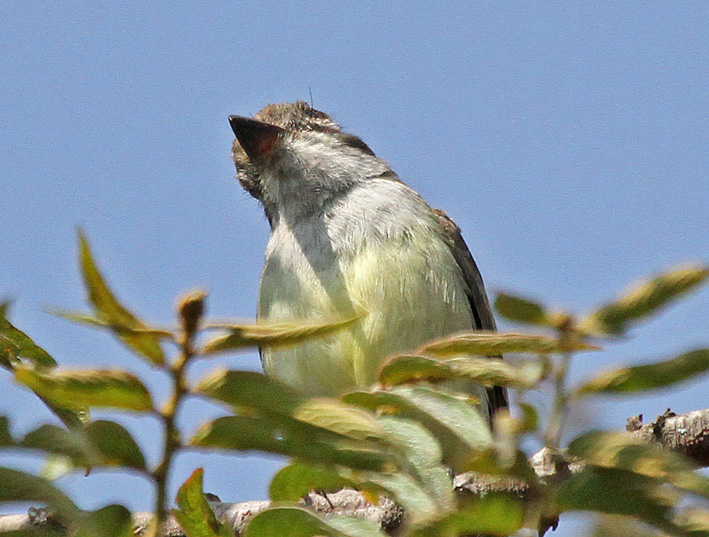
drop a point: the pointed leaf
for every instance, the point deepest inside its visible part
(249, 390)
(72, 418)
(424, 456)
(270, 334)
(617, 450)
(277, 434)
(649, 376)
(521, 375)
(18, 486)
(110, 521)
(194, 515)
(296, 480)
(339, 417)
(101, 443)
(615, 491)
(302, 523)
(494, 343)
(643, 299)
(113, 312)
(115, 444)
(523, 310)
(92, 388)
(72, 445)
(494, 514)
(96, 322)
(455, 422)
(409, 492)
(18, 344)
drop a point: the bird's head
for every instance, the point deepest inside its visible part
(296, 159)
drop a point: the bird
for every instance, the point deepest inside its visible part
(349, 238)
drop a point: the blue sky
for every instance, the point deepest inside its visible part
(568, 140)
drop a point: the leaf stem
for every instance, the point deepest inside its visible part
(168, 414)
(552, 438)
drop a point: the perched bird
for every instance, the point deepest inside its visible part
(347, 236)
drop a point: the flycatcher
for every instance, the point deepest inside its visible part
(347, 237)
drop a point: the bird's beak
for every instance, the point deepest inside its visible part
(255, 137)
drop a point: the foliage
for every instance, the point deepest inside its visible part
(398, 439)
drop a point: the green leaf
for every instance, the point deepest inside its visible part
(249, 390)
(270, 334)
(494, 343)
(296, 480)
(522, 375)
(113, 312)
(650, 376)
(409, 492)
(96, 322)
(615, 491)
(71, 444)
(194, 514)
(115, 444)
(643, 299)
(72, 418)
(15, 343)
(18, 486)
(339, 417)
(523, 310)
(101, 443)
(88, 388)
(530, 417)
(110, 521)
(617, 450)
(302, 523)
(423, 453)
(494, 514)
(287, 436)
(455, 422)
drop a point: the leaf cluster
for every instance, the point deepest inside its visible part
(399, 439)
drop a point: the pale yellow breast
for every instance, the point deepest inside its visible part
(410, 291)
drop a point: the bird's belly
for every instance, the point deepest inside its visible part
(408, 294)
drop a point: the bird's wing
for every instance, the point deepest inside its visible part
(475, 289)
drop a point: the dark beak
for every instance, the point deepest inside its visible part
(255, 137)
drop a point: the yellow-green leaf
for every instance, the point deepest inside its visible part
(290, 437)
(302, 523)
(615, 491)
(88, 388)
(486, 371)
(18, 486)
(250, 391)
(336, 416)
(492, 343)
(113, 312)
(649, 376)
(15, 343)
(455, 422)
(617, 450)
(644, 299)
(523, 310)
(296, 480)
(96, 322)
(110, 521)
(494, 514)
(270, 334)
(194, 515)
